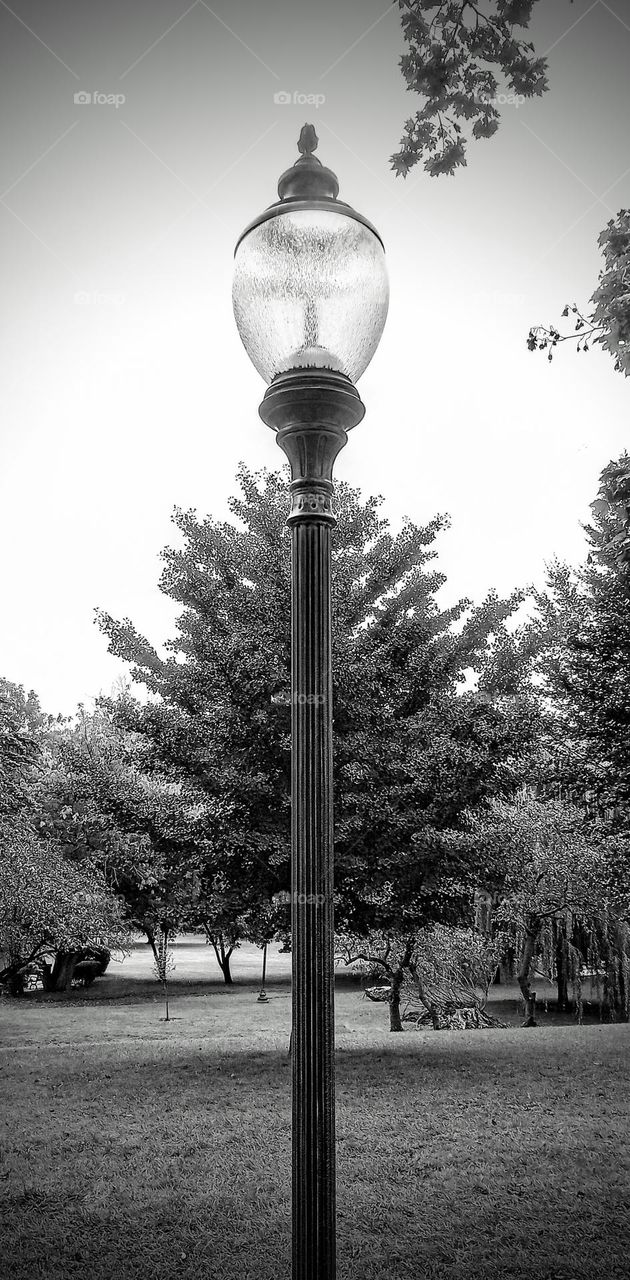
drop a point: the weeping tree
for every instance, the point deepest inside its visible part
(452, 973)
(608, 944)
(556, 881)
(584, 659)
(611, 943)
(443, 969)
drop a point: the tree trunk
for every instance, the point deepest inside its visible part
(15, 982)
(562, 978)
(58, 976)
(151, 941)
(623, 1013)
(393, 999)
(223, 955)
(507, 966)
(523, 975)
(614, 993)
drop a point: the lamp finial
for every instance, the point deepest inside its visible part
(308, 178)
(308, 140)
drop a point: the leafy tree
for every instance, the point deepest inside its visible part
(222, 913)
(229, 917)
(606, 321)
(48, 906)
(611, 510)
(20, 726)
(141, 829)
(459, 56)
(456, 52)
(412, 751)
(585, 656)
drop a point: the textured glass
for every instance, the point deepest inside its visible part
(310, 288)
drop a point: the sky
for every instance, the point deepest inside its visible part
(125, 388)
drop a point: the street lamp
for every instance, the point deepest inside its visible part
(262, 994)
(310, 300)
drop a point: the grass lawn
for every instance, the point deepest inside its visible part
(137, 1149)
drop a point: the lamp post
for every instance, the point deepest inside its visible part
(310, 301)
(262, 994)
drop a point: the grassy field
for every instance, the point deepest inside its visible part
(134, 1148)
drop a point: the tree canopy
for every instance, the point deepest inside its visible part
(413, 747)
(20, 723)
(585, 653)
(460, 55)
(49, 905)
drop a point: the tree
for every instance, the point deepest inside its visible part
(229, 916)
(583, 661)
(49, 906)
(20, 725)
(143, 829)
(611, 510)
(584, 658)
(449, 970)
(452, 974)
(550, 871)
(606, 321)
(412, 751)
(222, 914)
(456, 51)
(389, 953)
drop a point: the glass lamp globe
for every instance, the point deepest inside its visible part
(310, 281)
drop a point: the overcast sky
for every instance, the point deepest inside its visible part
(125, 387)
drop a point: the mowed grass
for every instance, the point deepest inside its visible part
(137, 1149)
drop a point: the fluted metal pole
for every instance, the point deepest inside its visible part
(312, 410)
(312, 908)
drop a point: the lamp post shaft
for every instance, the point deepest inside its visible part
(312, 923)
(311, 411)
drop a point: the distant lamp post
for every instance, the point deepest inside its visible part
(262, 994)
(310, 299)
